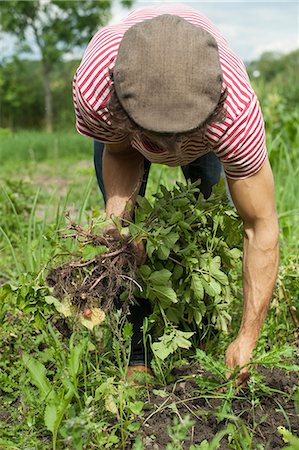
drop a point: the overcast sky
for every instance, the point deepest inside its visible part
(251, 27)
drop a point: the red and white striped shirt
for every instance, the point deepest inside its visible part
(238, 141)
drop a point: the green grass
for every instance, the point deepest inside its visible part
(37, 146)
(70, 390)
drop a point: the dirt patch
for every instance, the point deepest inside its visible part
(261, 415)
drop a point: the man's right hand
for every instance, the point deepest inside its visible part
(123, 169)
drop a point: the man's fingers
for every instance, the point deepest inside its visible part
(140, 252)
(111, 230)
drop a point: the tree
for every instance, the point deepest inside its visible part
(19, 107)
(56, 28)
(277, 73)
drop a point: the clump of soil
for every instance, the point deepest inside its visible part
(95, 283)
(261, 417)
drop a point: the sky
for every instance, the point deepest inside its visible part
(250, 27)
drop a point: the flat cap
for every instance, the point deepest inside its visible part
(167, 74)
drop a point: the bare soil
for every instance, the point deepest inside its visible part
(262, 418)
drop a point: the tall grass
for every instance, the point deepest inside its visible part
(282, 132)
(37, 146)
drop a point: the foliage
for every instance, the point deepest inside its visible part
(20, 110)
(30, 294)
(272, 69)
(15, 77)
(289, 438)
(56, 27)
(191, 276)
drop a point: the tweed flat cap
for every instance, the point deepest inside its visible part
(167, 74)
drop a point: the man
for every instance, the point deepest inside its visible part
(163, 86)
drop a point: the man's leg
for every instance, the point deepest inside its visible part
(208, 169)
(142, 309)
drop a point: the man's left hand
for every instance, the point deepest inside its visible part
(239, 354)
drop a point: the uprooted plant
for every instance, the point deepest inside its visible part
(103, 268)
(190, 275)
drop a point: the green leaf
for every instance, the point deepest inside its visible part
(215, 264)
(177, 272)
(150, 248)
(62, 308)
(176, 217)
(181, 202)
(171, 340)
(163, 252)
(160, 277)
(289, 438)
(138, 445)
(145, 271)
(105, 388)
(133, 426)
(91, 251)
(144, 204)
(182, 337)
(165, 293)
(197, 287)
(185, 225)
(38, 377)
(220, 276)
(211, 287)
(161, 393)
(174, 314)
(234, 253)
(128, 331)
(135, 407)
(277, 356)
(212, 365)
(74, 359)
(50, 416)
(197, 317)
(170, 239)
(161, 350)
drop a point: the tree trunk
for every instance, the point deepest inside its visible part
(47, 97)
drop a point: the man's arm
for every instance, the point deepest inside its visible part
(122, 176)
(254, 200)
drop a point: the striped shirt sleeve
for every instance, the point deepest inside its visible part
(89, 123)
(242, 148)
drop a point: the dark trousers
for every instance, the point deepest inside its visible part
(208, 169)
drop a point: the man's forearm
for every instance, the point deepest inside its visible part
(122, 176)
(260, 266)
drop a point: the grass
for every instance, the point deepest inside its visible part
(37, 146)
(73, 390)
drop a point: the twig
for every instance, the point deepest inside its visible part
(155, 412)
(133, 281)
(83, 264)
(97, 281)
(74, 226)
(116, 252)
(174, 260)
